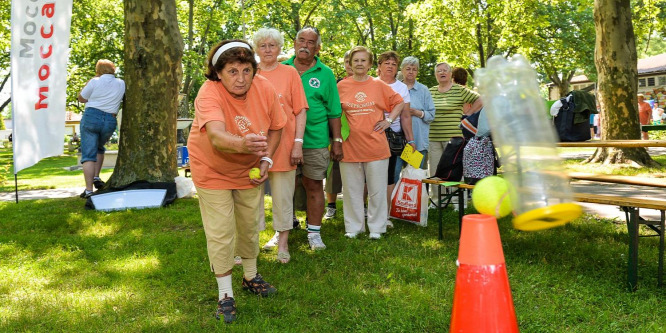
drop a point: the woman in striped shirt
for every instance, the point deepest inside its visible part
(449, 99)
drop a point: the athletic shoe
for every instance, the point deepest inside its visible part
(98, 183)
(86, 194)
(238, 260)
(227, 308)
(314, 238)
(351, 235)
(258, 286)
(297, 224)
(389, 224)
(272, 242)
(330, 213)
(374, 235)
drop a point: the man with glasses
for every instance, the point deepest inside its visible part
(322, 94)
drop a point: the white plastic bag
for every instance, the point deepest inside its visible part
(184, 187)
(409, 200)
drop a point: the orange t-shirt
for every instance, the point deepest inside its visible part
(258, 113)
(289, 88)
(364, 104)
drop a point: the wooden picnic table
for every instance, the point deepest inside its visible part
(615, 143)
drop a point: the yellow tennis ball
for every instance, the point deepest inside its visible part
(491, 196)
(255, 173)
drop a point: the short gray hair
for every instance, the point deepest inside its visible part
(267, 33)
(313, 29)
(410, 61)
(442, 63)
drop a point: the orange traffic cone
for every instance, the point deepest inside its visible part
(482, 300)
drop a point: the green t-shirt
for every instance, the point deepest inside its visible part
(321, 91)
(448, 111)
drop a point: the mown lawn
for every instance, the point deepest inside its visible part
(67, 269)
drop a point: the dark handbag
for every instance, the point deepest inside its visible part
(396, 141)
(450, 166)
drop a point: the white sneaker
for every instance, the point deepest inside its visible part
(330, 213)
(374, 235)
(272, 242)
(389, 224)
(314, 238)
(351, 235)
(238, 260)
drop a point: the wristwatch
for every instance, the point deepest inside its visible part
(390, 121)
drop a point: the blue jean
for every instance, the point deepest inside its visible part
(96, 129)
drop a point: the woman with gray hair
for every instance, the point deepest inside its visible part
(421, 107)
(282, 176)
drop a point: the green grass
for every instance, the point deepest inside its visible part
(577, 165)
(69, 269)
(63, 268)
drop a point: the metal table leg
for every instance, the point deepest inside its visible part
(660, 271)
(632, 229)
(439, 211)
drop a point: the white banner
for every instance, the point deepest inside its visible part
(39, 54)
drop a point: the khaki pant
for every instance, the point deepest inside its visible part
(282, 184)
(230, 223)
(354, 178)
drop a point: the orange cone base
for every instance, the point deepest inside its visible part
(482, 301)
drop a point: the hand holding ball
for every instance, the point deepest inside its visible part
(491, 196)
(255, 173)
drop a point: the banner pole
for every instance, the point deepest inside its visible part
(16, 187)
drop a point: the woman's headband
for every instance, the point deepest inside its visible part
(227, 46)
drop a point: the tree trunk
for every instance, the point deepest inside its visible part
(184, 105)
(153, 73)
(616, 61)
(563, 83)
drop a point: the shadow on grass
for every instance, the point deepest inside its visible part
(77, 270)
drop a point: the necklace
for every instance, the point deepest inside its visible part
(306, 69)
(268, 69)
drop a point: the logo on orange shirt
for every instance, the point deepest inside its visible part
(243, 124)
(360, 96)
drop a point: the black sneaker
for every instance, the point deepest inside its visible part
(258, 286)
(226, 307)
(98, 183)
(297, 224)
(86, 194)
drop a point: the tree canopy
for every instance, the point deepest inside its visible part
(557, 36)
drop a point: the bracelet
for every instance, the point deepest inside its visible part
(298, 140)
(422, 114)
(389, 120)
(268, 159)
(410, 142)
(338, 140)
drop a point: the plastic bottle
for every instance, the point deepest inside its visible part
(525, 139)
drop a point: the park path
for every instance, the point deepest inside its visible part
(578, 186)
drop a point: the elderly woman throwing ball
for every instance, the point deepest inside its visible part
(366, 152)
(237, 127)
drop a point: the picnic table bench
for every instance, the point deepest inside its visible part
(647, 128)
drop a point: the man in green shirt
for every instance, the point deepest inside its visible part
(324, 114)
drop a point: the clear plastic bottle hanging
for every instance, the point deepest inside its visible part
(526, 142)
